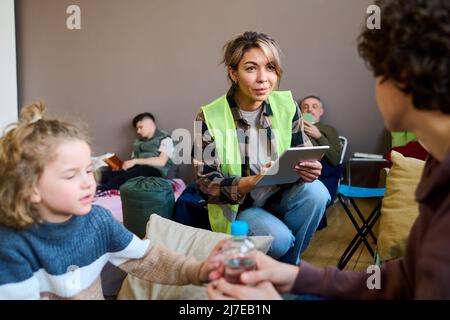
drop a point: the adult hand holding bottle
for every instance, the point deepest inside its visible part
(269, 280)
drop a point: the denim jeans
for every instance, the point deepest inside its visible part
(291, 216)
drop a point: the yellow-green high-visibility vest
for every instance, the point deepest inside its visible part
(221, 126)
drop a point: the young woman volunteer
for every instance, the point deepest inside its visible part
(242, 132)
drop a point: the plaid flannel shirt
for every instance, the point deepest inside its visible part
(217, 188)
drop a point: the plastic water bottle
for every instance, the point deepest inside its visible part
(238, 253)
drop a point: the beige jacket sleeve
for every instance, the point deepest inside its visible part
(164, 266)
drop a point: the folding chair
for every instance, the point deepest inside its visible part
(344, 142)
(346, 195)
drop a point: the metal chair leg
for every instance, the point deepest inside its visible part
(362, 231)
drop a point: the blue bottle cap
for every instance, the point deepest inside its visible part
(239, 228)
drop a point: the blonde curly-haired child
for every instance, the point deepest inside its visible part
(54, 243)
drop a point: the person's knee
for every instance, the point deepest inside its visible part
(251, 216)
(263, 223)
(317, 192)
(281, 244)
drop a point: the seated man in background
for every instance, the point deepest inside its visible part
(150, 158)
(322, 134)
(319, 133)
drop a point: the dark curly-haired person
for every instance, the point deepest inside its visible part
(410, 58)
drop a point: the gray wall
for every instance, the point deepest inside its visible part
(8, 73)
(164, 57)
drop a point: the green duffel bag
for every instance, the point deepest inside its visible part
(143, 196)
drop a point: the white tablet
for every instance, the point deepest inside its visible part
(282, 171)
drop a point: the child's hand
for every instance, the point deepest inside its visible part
(213, 267)
(128, 164)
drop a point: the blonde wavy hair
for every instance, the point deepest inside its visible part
(235, 49)
(24, 151)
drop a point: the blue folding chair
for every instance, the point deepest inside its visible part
(346, 195)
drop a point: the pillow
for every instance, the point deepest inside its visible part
(399, 208)
(185, 240)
